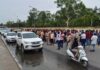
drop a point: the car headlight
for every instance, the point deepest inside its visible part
(8, 38)
(27, 42)
(41, 42)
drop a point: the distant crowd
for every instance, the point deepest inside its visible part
(70, 37)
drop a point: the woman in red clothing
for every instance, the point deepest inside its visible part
(88, 37)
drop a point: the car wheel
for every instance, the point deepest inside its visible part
(4, 36)
(7, 41)
(22, 49)
(40, 50)
(17, 46)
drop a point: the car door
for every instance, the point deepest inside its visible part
(19, 39)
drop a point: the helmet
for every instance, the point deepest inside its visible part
(80, 47)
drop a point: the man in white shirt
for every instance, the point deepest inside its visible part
(94, 41)
(83, 39)
(59, 40)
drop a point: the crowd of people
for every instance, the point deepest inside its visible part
(72, 38)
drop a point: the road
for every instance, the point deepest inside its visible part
(34, 60)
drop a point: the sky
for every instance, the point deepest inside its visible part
(19, 9)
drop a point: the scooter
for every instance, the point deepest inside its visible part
(82, 59)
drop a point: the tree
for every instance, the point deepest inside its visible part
(67, 9)
(72, 13)
(9, 23)
(33, 14)
(42, 17)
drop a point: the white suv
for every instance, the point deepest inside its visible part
(29, 41)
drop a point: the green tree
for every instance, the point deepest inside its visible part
(9, 23)
(42, 18)
(67, 9)
(33, 14)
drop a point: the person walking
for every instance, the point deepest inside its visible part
(47, 37)
(52, 38)
(59, 40)
(77, 35)
(99, 38)
(70, 40)
(42, 35)
(83, 39)
(62, 39)
(88, 37)
(94, 41)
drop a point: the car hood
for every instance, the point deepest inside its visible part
(32, 39)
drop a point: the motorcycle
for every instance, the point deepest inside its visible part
(82, 59)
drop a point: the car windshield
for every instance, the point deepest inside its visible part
(29, 35)
(6, 31)
(11, 34)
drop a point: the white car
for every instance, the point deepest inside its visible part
(5, 31)
(28, 41)
(10, 37)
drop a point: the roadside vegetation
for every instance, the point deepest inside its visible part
(71, 13)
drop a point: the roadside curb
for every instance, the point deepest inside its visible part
(16, 61)
(65, 56)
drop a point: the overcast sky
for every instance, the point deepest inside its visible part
(14, 9)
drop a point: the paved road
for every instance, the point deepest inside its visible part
(33, 60)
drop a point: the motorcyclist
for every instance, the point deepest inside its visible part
(79, 50)
(74, 47)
